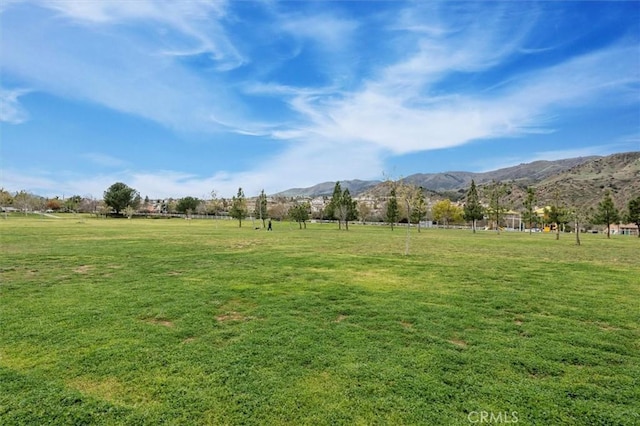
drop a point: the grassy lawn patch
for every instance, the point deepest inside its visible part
(195, 322)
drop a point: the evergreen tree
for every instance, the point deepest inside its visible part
(330, 209)
(529, 214)
(473, 210)
(393, 212)
(238, 207)
(633, 215)
(419, 210)
(607, 213)
(347, 209)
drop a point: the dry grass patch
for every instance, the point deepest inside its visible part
(83, 269)
(110, 389)
(160, 321)
(459, 343)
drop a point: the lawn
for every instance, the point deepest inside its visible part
(108, 321)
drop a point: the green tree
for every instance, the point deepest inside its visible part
(71, 204)
(446, 212)
(346, 209)
(473, 210)
(260, 210)
(238, 207)
(607, 213)
(118, 196)
(300, 212)
(557, 214)
(529, 214)
(633, 213)
(393, 211)
(330, 209)
(419, 209)
(187, 204)
(5, 200)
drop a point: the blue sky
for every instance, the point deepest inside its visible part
(178, 98)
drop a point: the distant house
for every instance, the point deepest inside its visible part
(624, 229)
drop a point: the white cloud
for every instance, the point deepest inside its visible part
(139, 68)
(103, 159)
(10, 109)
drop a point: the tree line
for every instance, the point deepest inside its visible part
(402, 202)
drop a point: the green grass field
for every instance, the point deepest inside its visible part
(198, 322)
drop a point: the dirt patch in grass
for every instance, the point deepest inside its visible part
(341, 318)
(607, 327)
(110, 389)
(160, 321)
(83, 269)
(459, 343)
(188, 340)
(232, 316)
(406, 324)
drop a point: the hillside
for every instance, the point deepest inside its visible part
(580, 182)
(584, 185)
(528, 173)
(326, 188)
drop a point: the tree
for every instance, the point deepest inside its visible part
(23, 201)
(578, 217)
(419, 210)
(71, 204)
(331, 208)
(129, 212)
(214, 205)
(5, 200)
(118, 196)
(238, 207)
(260, 209)
(104, 209)
(278, 210)
(347, 209)
(496, 192)
(473, 210)
(364, 210)
(300, 213)
(633, 215)
(446, 212)
(53, 204)
(557, 214)
(393, 212)
(607, 213)
(187, 204)
(529, 214)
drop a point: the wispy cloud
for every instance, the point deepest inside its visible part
(10, 109)
(415, 77)
(132, 73)
(104, 159)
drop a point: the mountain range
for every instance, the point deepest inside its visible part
(579, 182)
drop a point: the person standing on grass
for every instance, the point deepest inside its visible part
(269, 228)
